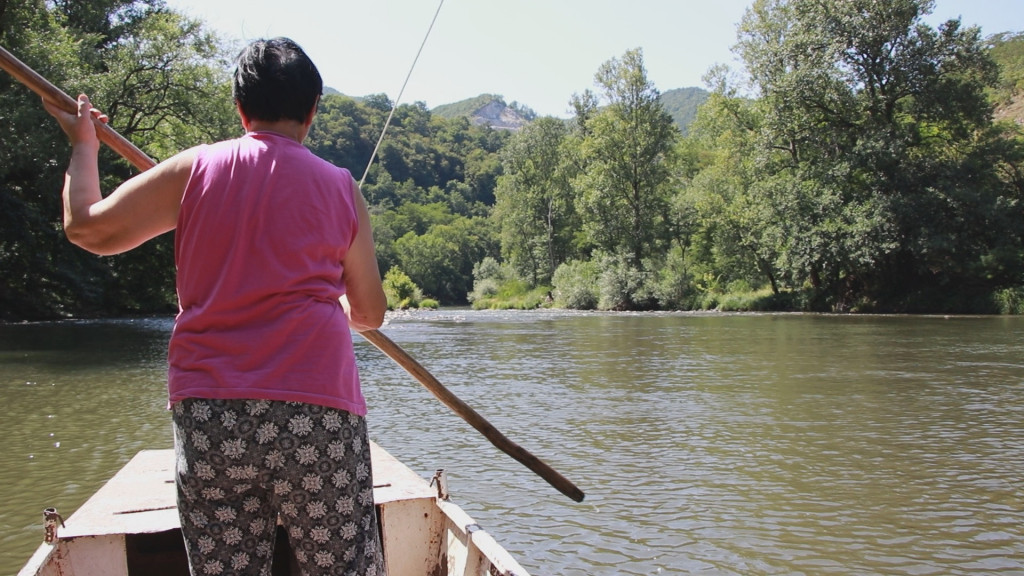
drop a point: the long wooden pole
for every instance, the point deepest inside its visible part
(467, 413)
(143, 162)
(44, 88)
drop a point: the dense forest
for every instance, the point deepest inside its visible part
(859, 161)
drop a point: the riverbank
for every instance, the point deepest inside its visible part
(1009, 301)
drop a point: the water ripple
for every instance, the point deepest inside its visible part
(718, 444)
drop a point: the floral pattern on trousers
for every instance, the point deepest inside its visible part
(244, 464)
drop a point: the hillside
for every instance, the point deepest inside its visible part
(1012, 111)
(488, 109)
(1008, 52)
(682, 104)
(491, 110)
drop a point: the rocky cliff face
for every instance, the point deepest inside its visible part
(499, 116)
(1012, 110)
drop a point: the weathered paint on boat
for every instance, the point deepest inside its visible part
(130, 527)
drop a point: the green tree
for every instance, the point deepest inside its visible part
(156, 74)
(875, 153)
(338, 134)
(41, 275)
(166, 87)
(624, 192)
(431, 172)
(576, 284)
(441, 260)
(535, 201)
(401, 291)
(734, 233)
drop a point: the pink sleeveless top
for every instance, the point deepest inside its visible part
(263, 228)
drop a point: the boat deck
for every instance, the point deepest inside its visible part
(140, 498)
(130, 527)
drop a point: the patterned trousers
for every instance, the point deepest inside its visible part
(244, 465)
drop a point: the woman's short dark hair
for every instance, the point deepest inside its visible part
(276, 80)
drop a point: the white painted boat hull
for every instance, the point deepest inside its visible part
(130, 527)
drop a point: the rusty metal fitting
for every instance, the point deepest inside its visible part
(441, 480)
(50, 520)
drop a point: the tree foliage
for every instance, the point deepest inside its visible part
(430, 191)
(682, 105)
(535, 201)
(164, 81)
(851, 164)
(156, 74)
(1008, 52)
(623, 191)
(872, 184)
(441, 260)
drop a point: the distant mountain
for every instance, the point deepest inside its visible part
(488, 109)
(682, 103)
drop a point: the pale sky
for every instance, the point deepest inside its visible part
(535, 52)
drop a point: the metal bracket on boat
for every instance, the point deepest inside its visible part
(441, 479)
(50, 520)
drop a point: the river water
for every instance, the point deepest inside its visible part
(710, 443)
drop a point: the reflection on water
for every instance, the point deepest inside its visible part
(721, 444)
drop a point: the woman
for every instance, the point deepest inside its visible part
(275, 261)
